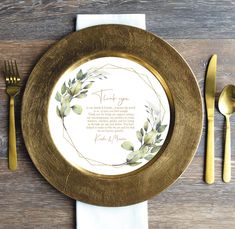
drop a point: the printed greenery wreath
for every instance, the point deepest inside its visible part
(149, 135)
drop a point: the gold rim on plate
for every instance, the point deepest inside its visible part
(176, 78)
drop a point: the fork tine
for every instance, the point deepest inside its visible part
(5, 68)
(13, 71)
(12, 67)
(17, 72)
(9, 68)
(9, 71)
(6, 71)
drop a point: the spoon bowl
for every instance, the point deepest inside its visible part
(226, 106)
(227, 100)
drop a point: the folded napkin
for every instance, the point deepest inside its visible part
(87, 20)
(95, 217)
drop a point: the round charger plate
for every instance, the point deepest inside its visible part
(111, 115)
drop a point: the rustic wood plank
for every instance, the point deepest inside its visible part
(28, 201)
(170, 19)
(196, 52)
(190, 203)
(26, 54)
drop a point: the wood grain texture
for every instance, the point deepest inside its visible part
(46, 19)
(27, 30)
(196, 52)
(28, 201)
(189, 203)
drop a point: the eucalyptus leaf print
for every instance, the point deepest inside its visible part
(149, 137)
(73, 90)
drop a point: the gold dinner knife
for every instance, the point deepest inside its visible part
(210, 108)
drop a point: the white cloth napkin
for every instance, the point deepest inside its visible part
(95, 217)
(87, 20)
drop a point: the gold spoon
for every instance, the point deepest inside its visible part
(227, 108)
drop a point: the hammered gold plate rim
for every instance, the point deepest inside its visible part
(102, 190)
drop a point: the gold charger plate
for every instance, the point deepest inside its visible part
(182, 91)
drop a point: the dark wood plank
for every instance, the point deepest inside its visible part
(28, 201)
(171, 19)
(196, 52)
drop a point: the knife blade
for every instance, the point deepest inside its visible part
(210, 88)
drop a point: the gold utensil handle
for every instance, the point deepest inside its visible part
(210, 153)
(12, 136)
(227, 153)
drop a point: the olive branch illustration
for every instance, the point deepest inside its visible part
(149, 135)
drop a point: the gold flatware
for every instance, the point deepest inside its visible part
(12, 89)
(210, 88)
(226, 106)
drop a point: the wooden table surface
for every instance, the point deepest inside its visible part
(196, 29)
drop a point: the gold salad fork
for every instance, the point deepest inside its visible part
(12, 89)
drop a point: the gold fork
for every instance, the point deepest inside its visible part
(12, 89)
